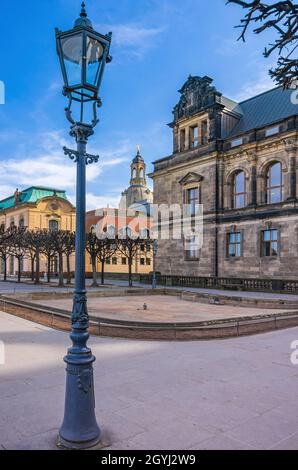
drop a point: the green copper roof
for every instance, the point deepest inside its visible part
(32, 195)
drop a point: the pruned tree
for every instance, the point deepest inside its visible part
(100, 249)
(17, 246)
(48, 249)
(92, 249)
(129, 247)
(281, 17)
(60, 240)
(107, 247)
(69, 250)
(5, 236)
(34, 241)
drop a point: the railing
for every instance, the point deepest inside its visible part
(271, 285)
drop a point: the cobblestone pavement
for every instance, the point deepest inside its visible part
(228, 394)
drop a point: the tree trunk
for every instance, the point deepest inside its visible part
(102, 273)
(49, 269)
(61, 281)
(5, 268)
(68, 268)
(94, 273)
(37, 268)
(19, 269)
(32, 268)
(130, 272)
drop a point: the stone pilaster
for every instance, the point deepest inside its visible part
(291, 149)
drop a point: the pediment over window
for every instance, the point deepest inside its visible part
(191, 178)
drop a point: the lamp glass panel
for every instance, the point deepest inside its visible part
(93, 59)
(72, 49)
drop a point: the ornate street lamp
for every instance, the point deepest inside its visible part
(83, 54)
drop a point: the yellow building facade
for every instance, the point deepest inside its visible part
(37, 208)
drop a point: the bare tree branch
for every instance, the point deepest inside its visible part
(281, 16)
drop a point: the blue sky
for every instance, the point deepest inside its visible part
(156, 45)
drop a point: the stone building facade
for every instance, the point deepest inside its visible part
(240, 161)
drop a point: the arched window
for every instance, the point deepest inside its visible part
(274, 184)
(53, 225)
(134, 173)
(239, 190)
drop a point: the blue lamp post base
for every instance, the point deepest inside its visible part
(79, 429)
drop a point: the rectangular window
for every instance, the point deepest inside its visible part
(194, 136)
(234, 245)
(236, 142)
(142, 247)
(191, 248)
(204, 133)
(108, 260)
(148, 262)
(272, 131)
(114, 260)
(142, 261)
(269, 242)
(192, 200)
(182, 140)
(123, 261)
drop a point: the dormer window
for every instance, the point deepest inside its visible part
(194, 136)
(272, 131)
(236, 142)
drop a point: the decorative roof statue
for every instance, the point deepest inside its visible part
(17, 197)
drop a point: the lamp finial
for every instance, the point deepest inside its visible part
(83, 21)
(138, 149)
(83, 10)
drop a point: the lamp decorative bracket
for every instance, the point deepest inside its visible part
(74, 155)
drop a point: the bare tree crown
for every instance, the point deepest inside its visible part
(282, 17)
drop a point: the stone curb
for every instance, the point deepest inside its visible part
(215, 329)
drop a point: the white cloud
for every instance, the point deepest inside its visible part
(259, 84)
(96, 202)
(134, 35)
(46, 165)
(134, 38)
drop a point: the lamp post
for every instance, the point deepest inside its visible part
(155, 250)
(83, 54)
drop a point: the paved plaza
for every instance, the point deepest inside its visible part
(160, 308)
(239, 393)
(12, 287)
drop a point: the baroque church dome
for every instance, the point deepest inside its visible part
(138, 191)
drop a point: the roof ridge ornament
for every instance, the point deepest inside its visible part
(83, 13)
